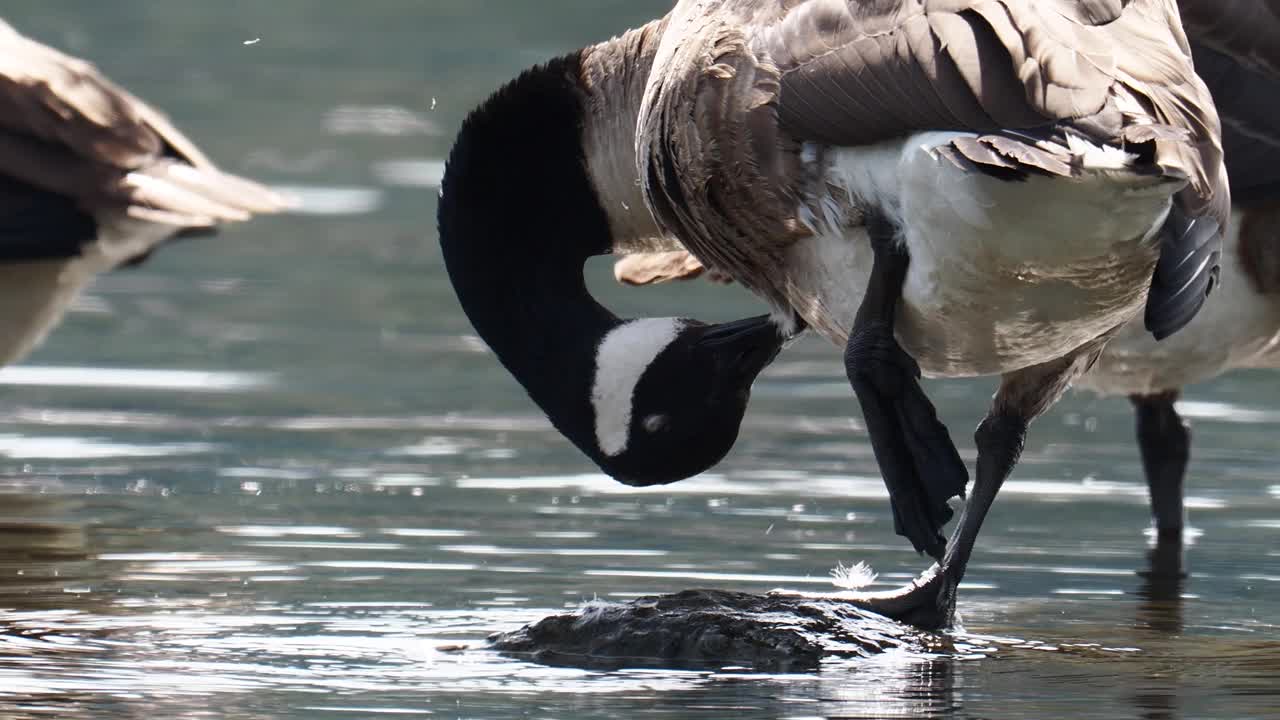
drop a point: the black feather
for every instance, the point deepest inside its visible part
(1186, 272)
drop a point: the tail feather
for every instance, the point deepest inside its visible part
(1185, 274)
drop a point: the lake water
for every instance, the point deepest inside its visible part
(273, 475)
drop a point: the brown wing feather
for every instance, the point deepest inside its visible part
(762, 76)
(984, 65)
(68, 130)
(62, 100)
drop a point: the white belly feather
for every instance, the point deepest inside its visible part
(1003, 274)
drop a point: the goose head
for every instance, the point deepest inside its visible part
(668, 394)
(650, 400)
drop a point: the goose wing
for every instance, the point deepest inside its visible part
(737, 88)
(1232, 42)
(74, 143)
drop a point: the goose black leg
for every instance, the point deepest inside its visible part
(917, 458)
(929, 602)
(1165, 443)
(1023, 396)
(1160, 591)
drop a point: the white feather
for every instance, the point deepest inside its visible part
(853, 577)
(621, 360)
(1099, 157)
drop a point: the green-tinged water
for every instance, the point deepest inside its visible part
(271, 474)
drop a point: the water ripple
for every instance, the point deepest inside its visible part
(73, 448)
(133, 379)
(332, 199)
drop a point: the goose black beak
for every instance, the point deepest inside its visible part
(744, 347)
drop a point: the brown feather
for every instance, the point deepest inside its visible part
(856, 72)
(67, 129)
(654, 268)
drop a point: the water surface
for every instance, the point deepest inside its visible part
(274, 475)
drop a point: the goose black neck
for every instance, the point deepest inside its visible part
(518, 217)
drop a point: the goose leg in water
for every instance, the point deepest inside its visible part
(917, 458)
(1165, 442)
(1024, 395)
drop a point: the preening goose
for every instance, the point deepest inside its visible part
(1004, 183)
(1237, 52)
(91, 178)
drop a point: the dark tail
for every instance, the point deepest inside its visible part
(1185, 273)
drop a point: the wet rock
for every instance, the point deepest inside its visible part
(711, 629)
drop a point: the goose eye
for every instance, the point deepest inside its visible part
(654, 423)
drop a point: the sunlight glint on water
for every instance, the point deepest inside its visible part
(275, 474)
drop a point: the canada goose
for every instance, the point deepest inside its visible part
(1003, 183)
(1237, 53)
(91, 178)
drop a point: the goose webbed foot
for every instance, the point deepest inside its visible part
(929, 602)
(917, 458)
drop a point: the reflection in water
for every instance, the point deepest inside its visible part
(1160, 612)
(1160, 593)
(48, 574)
(355, 601)
(45, 559)
(889, 687)
(268, 570)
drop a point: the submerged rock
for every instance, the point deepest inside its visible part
(710, 629)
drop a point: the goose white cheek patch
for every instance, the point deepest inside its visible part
(621, 359)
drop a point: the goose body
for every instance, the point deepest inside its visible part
(962, 187)
(1026, 178)
(1236, 55)
(771, 85)
(1003, 275)
(91, 178)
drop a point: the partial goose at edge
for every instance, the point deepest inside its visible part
(91, 178)
(1235, 53)
(842, 159)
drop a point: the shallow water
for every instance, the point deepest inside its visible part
(273, 475)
